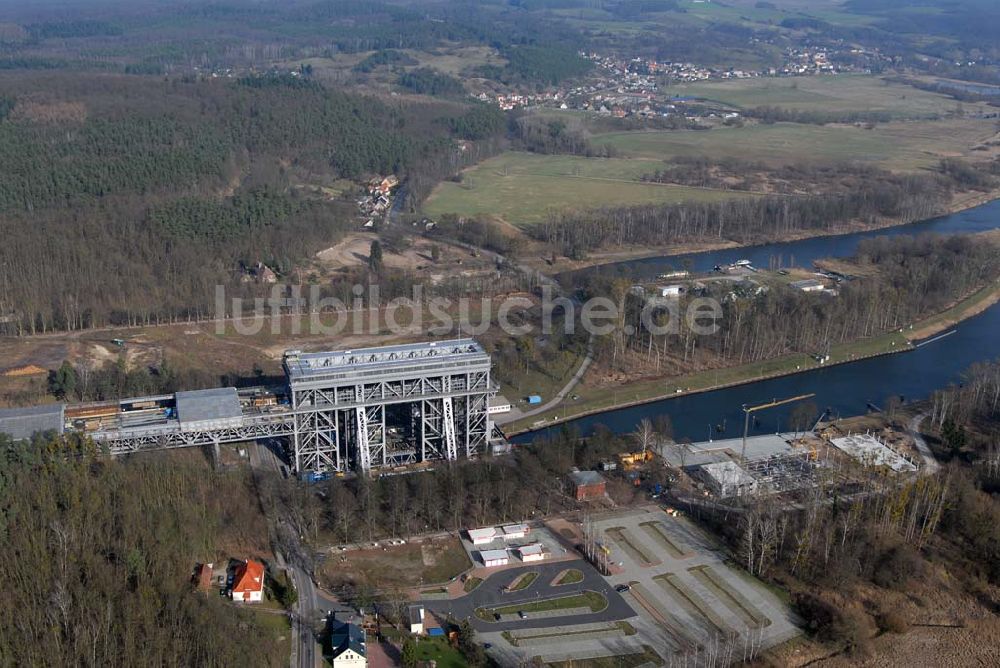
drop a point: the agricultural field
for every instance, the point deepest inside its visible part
(841, 93)
(524, 188)
(897, 146)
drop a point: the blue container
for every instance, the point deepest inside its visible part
(534, 399)
(436, 632)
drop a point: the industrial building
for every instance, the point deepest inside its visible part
(21, 423)
(871, 451)
(358, 409)
(587, 485)
(727, 479)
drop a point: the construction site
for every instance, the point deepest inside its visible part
(361, 409)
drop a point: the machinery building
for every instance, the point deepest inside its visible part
(359, 409)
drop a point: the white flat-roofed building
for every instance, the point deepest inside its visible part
(808, 285)
(870, 451)
(514, 531)
(533, 552)
(494, 558)
(482, 536)
(727, 479)
(499, 404)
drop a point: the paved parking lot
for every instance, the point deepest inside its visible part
(682, 585)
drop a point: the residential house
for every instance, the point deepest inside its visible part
(347, 645)
(248, 582)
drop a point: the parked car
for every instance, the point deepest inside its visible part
(522, 614)
(622, 588)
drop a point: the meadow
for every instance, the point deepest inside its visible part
(899, 146)
(524, 188)
(832, 93)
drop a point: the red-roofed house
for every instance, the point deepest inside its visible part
(248, 583)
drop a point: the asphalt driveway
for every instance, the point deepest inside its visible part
(490, 594)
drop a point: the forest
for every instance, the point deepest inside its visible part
(98, 555)
(124, 200)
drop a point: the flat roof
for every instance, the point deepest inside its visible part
(304, 366)
(586, 477)
(219, 403)
(534, 548)
(493, 555)
(728, 473)
(515, 528)
(499, 400)
(21, 423)
(871, 451)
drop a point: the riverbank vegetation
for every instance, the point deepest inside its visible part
(781, 330)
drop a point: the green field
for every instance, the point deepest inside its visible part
(903, 146)
(524, 188)
(848, 92)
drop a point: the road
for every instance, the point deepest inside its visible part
(913, 429)
(312, 606)
(490, 594)
(560, 395)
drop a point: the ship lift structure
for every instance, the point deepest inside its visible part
(362, 409)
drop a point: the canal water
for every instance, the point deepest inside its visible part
(800, 253)
(845, 389)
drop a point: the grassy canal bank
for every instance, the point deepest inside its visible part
(597, 400)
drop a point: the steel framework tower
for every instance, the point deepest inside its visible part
(438, 391)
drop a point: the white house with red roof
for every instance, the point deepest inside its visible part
(248, 582)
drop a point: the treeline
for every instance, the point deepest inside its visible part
(902, 199)
(976, 399)
(427, 81)
(803, 177)
(99, 554)
(383, 57)
(540, 135)
(906, 280)
(771, 115)
(471, 493)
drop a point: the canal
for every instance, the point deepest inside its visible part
(845, 389)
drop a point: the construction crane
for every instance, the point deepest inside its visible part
(747, 410)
